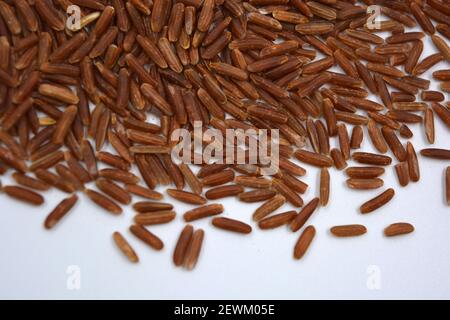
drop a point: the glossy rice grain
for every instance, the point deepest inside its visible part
(398, 228)
(193, 250)
(125, 247)
(268, 207)
(350, 230)
(60, 211)
(304, 241)
(147, 236)
(203, 212)
(186, 197)
(23, 194)
(231, 225)
(378, 201)
(436, 153)
(304, 214)
(182, 244)
(103, 201)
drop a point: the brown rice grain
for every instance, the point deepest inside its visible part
(23, 194)
(149, 206)
(219, 178)
(394, 143)
(147, 236)
(113, 190)
(344, 142)
(290, 195)
(312, 158)
(436, 153)
(356, 137)
(30, 182)
(364, 184)
(203, 212)
(314, 28)
(186, 197)
(257, 195)
(268, 207)
(102, 201)
(277, 220)
(253, 182)
(154, 217)
(184, 239)
(60, 211)
(350, 230)
(304, 214)
(427, 63)
(304, 241)
(398, 228)
(338, 159)
(364, 172)
(377, 202)
(231, 225)
(193, 249)
(223, 191)
(442, 46)
(401, 170)
(371, 158)
(442, 112)
(125, 247)
(143, 192)
(324, 187)
(64, 124)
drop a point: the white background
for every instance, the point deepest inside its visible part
(34, 262)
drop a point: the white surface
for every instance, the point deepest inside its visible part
(34, 262)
